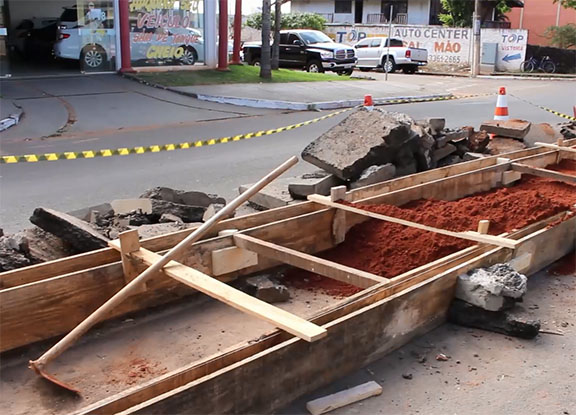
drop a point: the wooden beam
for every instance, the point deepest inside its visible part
(556, 147)
(346, 397)
(309, 262)
(129, 242)
(241, 301)
(549, 174)
(232, 259)
(469, 235)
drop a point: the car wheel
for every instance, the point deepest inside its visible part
(365, 69)
(388, 66)
(256, 62)
(93, 58)
(189, 57)
(347, 72)
(314, 67)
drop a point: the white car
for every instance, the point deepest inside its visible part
(94, 44)
(372, 53)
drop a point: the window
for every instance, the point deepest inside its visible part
(396, 43)
(375, 43)
(292, 38)
(342, 6)
(399, 6)
(284, 38)
(363, 44)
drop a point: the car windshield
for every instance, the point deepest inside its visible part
(314, 37)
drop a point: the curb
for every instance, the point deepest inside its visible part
(305, 106)
(12, 119)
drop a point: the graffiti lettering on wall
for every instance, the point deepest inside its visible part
(164, 32)
(444, 45)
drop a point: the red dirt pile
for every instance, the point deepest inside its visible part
(388, 249)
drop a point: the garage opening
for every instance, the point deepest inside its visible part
(59, 37)
(55, 37)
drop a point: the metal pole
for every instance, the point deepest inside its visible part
(476, 30)
(237, 32)
(124, 14)
(388, 40)
(223, 35)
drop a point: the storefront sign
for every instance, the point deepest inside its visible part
(445, 45)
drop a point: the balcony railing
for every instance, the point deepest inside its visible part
(380, 18)
(328, 16)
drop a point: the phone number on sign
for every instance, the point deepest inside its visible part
(444, 59)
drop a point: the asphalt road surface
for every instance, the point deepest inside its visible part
(161, 117)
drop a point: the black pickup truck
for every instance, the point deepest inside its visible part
(307, 49)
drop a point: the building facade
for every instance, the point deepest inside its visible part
(537, 16)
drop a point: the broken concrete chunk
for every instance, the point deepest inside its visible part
(266, 289)
(469, 156)
(185, 212)
(79, 234)
(450, 160)
(478, 141)
(374, 174)
(543, 132)
(445, 151)
(490, 288)
(313, 183)
(11, 259)
(126, 206)
(192, 198)
(457, 136)
(361, 140)
(84, 214)
(168, 218)
(441, 141)
(213, 209)
(468, 315)
(510, 128)
(436, 124)
(499, 145)
(274, 195)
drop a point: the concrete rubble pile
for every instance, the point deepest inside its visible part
(57, 234)
(486, 298)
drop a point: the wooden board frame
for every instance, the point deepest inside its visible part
(356, 337)
(100, 283)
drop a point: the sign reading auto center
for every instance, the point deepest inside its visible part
(445, 45)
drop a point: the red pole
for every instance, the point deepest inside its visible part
(223, 36)
(237, 33)
(124, 16)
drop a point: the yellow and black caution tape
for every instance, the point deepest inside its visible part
(559, 114)
(124, 151)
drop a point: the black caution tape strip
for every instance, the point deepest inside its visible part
(559, 114)
(124, 151)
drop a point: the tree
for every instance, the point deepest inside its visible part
(562, 36)
(567, 4)
(265, 67)
(458, 13)
(276, 44)
(290, 21)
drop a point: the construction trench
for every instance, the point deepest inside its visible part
(168, 349)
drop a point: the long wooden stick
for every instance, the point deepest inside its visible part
(548, 174)
(556, 147)
(469, 235)
(38, 364)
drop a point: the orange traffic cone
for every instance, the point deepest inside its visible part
(501, 111)
(368, 103)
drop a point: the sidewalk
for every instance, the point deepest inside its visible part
(316, 95)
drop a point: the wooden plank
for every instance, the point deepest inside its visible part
(346, 397)
(129, 242)
(457, 263)
(232, 259)
(308, 262)
(235, 298)
(549, 174)
(556, 147)
(469, 235)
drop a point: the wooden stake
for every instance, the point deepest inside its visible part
(339, 221)
(483, 226)
(129, 242)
